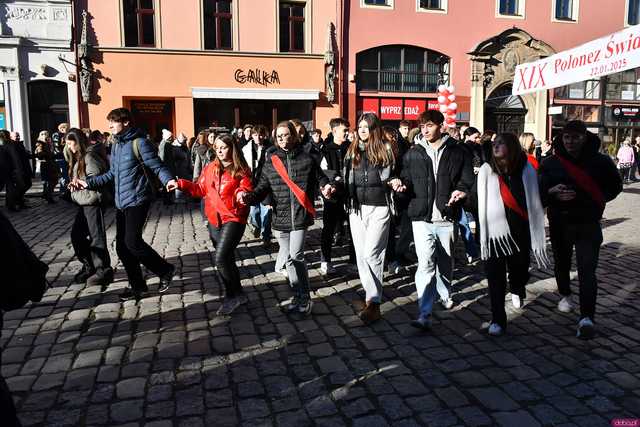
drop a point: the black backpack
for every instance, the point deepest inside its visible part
(24, 275)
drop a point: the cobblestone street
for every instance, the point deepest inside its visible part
(80, 357)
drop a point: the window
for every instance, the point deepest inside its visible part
(430, 4)
(589, 89)
(633, 12)
(433, 6)
(565, 10)
(292, 27)
(139, 25)
(510, 9)
(624, 86)
(382, 4)
(401, 69)
(217, 24)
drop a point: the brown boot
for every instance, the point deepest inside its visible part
(371, 313)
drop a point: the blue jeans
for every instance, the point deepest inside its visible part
(260, 217)
(470, 247)
(434, 242)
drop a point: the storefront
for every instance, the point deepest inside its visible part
(392, 110)
(237, 107)
(190, 92)
(399, 82)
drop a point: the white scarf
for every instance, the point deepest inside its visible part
(494, 229)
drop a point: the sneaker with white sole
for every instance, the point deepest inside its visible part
(305, 307)
(495, 330)
(290, 305)
(394, 267)
(565, 305)
(228, 306)
(516, 301)
(448, 303)
(586, 329)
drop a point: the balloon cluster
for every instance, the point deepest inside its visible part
(448, 106)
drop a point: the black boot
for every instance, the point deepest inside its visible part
(85, 272)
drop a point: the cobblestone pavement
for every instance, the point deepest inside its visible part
(80, 357)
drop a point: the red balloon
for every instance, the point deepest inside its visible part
(450, 120)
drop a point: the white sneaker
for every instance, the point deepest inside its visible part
(565, 305)
(326, 268)
(515, 300)
(586, 330)
(448, 304)
(495, 330)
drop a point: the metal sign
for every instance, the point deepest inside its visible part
(625, 112)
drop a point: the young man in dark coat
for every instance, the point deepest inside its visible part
(575, 185)
(133, 195)
(334, 212)
(437, 177)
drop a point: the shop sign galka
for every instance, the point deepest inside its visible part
(610, 54)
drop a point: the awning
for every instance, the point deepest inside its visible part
(253, 93)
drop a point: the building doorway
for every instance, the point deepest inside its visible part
(504, 112)
(153, 115)
(48, 106)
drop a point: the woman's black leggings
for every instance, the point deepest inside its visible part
(226, 239)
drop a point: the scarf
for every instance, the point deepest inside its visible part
(584, 181)
(494, 228)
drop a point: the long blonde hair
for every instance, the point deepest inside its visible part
(527, 142)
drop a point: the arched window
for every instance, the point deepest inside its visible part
(398, 68)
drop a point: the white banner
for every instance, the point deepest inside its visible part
(610, 54)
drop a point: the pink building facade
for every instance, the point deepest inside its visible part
(186, 65)
(395, 52)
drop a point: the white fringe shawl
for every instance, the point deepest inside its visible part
(495, 236)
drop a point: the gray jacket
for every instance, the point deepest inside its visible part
(95, 164)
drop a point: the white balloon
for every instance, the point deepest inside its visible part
(443, 108)
(442, 88)
(453, 106)
(442, 99)
(451, 88)
(452, 97)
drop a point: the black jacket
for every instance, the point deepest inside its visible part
(332, 164)
(454, 173)
(305, 172)
(582, 209)
(417, 176)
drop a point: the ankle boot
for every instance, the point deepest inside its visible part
(85, 272)
(371, 313)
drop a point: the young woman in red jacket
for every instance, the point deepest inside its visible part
(219, 183)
